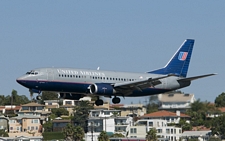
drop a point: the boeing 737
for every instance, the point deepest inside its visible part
(73, 83)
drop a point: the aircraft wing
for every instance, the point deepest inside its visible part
(140, 84)
(196, 77)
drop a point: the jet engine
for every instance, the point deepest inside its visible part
(70, 96)
(100, 88)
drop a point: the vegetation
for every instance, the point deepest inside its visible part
(103, 136)
(220, 100)
(82, 113)
(3, 133)
(117, 135)
(153, 104)
(48, 96)
(151, 135)
(73, 133)
(59, 112)
(13, 99)
(53, 135)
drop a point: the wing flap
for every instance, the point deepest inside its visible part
(139, 84)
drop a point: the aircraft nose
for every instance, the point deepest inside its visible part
(20, 80)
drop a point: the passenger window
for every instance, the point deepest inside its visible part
(59, 75)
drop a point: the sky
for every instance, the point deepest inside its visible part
(128, 35)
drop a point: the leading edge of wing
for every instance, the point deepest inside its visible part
(196, 77)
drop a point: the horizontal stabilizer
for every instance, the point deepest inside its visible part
(196, 77)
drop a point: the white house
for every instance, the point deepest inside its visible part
(175, 101)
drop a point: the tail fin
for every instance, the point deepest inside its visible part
(179, 63)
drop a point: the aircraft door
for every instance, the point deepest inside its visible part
(50, 74)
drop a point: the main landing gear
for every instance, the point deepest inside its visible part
(99, 102)
(116, 100)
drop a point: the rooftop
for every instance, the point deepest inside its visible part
(163, 113)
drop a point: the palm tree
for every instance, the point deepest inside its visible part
(78, 133)
(103, 136)
(69, 131)
(151, 135)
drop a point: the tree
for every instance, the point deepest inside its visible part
(220, 100)
(3, 133)
(14, 99)
(68, 132)
(151, 135)
(82, 113)
(79, 133)
(153, 104)
(218, 125)
(60, 111)
(73, 133)
(117, 135)
(103, 136)
(48, 96)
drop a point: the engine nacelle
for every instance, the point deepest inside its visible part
(70, 96)
(100, 88)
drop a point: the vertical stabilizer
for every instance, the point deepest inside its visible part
(179, 63)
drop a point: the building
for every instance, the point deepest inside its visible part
(200, 135)
(34, 109)
(122, 125)
(51, 104)
(106, 120)
(170, 117)
(59, 124)
(141, 127)
(130, 109)
(9, 110)
(27, 125)
(175, 102)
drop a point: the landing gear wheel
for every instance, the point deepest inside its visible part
(116, 100)
(99, 102)
(38, 97)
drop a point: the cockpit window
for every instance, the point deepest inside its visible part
(32, 72)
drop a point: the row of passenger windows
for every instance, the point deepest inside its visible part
(95, 77)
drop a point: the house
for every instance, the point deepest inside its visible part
(9, 110)
(141, 127)
(122, 124)
(26, 125)
(200, 135)
(175, 102)
(51, 104)
(130, 109)
(34, 109)
(106, 120)
(170, 117)
(59, 124)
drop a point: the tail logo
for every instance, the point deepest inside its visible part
(182, 56)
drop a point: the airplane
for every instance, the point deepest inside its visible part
(72, 83)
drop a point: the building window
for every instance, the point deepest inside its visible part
(150, 123)
(133, 130)
(34, 121)
(11, 128)
(167, 131)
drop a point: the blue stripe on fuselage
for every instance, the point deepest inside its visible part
(72, 87)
